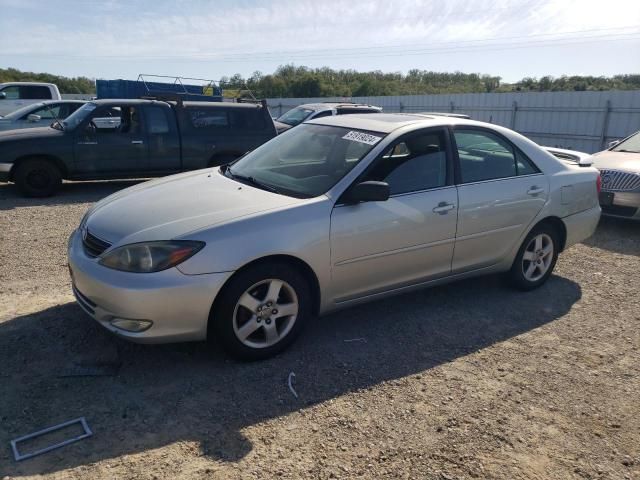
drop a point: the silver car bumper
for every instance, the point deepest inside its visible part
(621, 204)
(177, 304)
(581, 226)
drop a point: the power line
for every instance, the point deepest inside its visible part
(495, 43)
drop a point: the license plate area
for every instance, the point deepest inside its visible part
(606, 198)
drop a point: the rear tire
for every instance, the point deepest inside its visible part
(37, 177)
(260, 311)
(536, 258)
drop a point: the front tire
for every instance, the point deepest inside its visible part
(536, 258)
(37, 178)
(261, 311)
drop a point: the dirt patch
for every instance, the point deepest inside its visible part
(468, 380)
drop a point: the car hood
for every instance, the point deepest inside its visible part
(174, 206)
(625, 161)
(27, 133)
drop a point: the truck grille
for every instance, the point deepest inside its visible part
(619, 181)
(93, 246)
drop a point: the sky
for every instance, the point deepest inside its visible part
(211, 39)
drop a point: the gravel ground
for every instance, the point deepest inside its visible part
(468, 380)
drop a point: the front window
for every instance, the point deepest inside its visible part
(79, 116)
(305, 161)
(295, 116)
(630, 145)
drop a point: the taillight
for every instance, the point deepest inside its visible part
(599, 183)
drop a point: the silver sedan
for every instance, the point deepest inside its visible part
(337, 211)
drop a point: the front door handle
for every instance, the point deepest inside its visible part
(137, 142)
(443, 208)
(535, 190)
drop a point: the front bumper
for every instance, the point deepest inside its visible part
(620, 204)
(177, 304)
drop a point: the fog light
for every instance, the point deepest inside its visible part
(131, 325)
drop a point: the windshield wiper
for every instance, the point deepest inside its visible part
(627, 151)
(252, 181)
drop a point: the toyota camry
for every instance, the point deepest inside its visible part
(337, 211)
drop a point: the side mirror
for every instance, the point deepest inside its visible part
(369, 191)
(33, 118)
(3, 95)
(613, 144)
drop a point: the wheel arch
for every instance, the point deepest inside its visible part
(56, 161)
(558, 225)
(295, 262)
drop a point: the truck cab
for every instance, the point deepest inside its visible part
(15, 95)
(108, 139)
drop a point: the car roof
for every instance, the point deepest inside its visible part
(388, 122)
(331, 105)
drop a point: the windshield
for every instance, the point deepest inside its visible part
(295, 116)
(631, 144)
(77, 117)
(305, 161)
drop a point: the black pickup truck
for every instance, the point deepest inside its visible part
(107, 139)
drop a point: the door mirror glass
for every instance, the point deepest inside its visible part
(3, 95)
(370, 191)
(613, 144)
(33, 118)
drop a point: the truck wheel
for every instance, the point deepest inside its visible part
(37, 178)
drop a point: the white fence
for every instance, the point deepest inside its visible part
(584, 121)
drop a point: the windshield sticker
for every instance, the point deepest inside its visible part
(362, 137)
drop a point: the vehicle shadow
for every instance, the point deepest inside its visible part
(616, 235)
(165, 394)
(69, 193)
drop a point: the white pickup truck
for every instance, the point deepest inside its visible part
(15, 95)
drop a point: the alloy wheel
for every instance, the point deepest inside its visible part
(537, 257)
(265, 313)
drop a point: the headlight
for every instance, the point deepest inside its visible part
(150, 257)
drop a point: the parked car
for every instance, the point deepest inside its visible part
(107, 139)
(40, 114)
(309, 111)
(570, 156)
(15, 95)
(620, 169)
(337, 211)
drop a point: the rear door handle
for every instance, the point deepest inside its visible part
(443, 208)
(535, 190)
(137, 142)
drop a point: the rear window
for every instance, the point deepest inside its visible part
(35, 92)
(247, 119)
(157, 122)
(208, 118)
